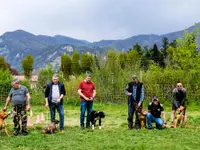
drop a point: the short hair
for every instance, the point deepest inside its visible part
(15, 81)
(134, 77)
(88, 74)
(55, 76)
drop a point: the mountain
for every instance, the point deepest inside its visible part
(14, 46)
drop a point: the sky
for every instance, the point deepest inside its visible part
(95, 20)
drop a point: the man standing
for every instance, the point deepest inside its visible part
(135, 92)
(20, 97)
(178, 102)
(155, 110)
(87, 93)
(54, 93)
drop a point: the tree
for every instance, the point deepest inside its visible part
(138, 48)
(27, 65)
(87, 61)
(76, 68)
(122, 60)
(157, 56)
(3, 64)
(165, 45)
(66, 64)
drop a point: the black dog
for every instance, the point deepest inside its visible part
(96, 115)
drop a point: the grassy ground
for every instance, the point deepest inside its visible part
(113, 135)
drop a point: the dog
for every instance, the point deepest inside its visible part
(3, 116)
(181, 118)
(142, 117)
(50, 128)
(96, 115)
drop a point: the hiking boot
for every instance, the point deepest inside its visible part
(16, 133)
(24, 133)
(172, 125)
(62, 131)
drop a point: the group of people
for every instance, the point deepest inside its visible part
(135, 93)
(55, 91)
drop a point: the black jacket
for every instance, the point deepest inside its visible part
(48, 91)
(129, 89)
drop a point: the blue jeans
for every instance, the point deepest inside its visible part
(85, 105)
(60, 109)
(151, 118)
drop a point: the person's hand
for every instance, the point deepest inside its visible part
(47, 105)
(91, 98)
(28, 107)
(164, 125)
(4, 109)
(87, 99)
(129, 94)
(58, 100)
(139, 104)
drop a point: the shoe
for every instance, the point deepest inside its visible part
(24, 133)
(15, 133)
(62, 131)
(172, 125)
(150, 128)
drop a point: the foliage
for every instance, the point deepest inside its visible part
(87, 62)
(3, 64)
(27, 65)
(75, 63)
(66, 64)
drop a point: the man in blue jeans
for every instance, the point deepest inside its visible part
(87, 93)
(155, 110)
(54, 93)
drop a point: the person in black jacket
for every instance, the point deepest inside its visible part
(54, 93)
(179, 100)
(135, 92)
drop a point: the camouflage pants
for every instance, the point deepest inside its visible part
(20, 115)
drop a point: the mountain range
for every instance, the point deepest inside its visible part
(14, 46)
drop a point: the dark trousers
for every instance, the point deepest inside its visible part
(20, 115)
(85, 105)
(132, 105)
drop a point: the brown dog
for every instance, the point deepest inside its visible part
(142, 117)
(3, 116)
(180, 117)
(50, 129)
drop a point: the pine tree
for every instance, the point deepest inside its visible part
(27, 65)
(76, 68)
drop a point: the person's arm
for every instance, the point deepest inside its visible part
(126, 91)
(184, 98)
(141, 96)
(164, 117)
(174, 98)
(47, 90)
(82, 95)
(7, 102)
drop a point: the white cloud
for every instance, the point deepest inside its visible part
(98, 19)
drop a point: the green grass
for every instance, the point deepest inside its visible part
(113, 135)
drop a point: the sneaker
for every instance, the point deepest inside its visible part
(62, 131)
(172, 125)
(24, 133)
(15, 133)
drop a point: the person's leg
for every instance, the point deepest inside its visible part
(159, 122)
(52, 108)
(16, 121)
(60, 109)
(89, 110)
(130, 113)
(24, 120)
(150, 119)
(173, 115)
(82, 113)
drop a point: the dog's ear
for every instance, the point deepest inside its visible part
(101, 114)
(182, 108)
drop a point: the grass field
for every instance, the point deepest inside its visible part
(113, 135)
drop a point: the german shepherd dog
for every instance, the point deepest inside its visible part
(50, 128)
(181, 117)
(96, 115)
(141, 116)
(3, 116)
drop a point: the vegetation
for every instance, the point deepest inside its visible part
(27, 65)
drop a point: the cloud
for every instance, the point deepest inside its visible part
(98, 19)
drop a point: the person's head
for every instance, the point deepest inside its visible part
(134, 79)
(155, 100)
(15, 83)
(88, 77)
(179, 85)
(55, 78)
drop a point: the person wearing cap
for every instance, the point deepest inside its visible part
(179, 100)
(20, 97)
(87, 93)
(54, 93)
(135, 93)
(155, 109)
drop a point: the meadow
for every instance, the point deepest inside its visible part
(113, 135)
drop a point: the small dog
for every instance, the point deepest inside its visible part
(180, 117)
(50, 129)
(142, 117)
(96, 115)
(3, 116)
